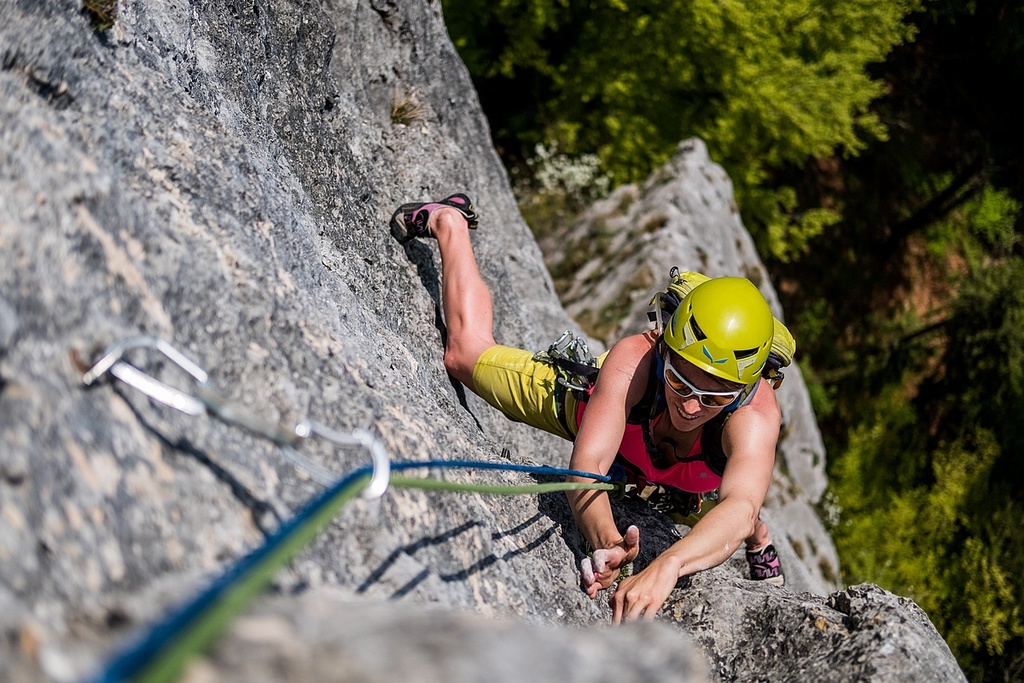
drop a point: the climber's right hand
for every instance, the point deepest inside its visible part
(600, 570)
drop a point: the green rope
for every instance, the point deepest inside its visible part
(169, 664)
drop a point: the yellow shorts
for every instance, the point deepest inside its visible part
(525, 390)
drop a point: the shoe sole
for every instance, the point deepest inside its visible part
(403, 232)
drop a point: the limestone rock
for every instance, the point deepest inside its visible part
(331, 637)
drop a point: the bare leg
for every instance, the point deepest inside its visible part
(465, 298)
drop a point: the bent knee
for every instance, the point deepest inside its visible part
(460, 366)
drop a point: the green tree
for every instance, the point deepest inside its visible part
(934, 463)
(923, 283)
(929, 453)
(765, 83)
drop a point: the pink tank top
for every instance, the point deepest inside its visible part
(692, 474)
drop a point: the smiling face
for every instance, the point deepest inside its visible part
(693, 396)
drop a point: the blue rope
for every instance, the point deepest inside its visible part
(134, 659)
(484, 465)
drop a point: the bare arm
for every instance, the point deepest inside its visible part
(749, 441)
(620, 386)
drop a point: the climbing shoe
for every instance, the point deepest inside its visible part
(765, 566)
(410, 220)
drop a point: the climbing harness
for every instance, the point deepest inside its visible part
(660, 498)
(572, 360)
(161, 653)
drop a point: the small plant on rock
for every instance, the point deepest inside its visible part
(405, 109)
(102, 13)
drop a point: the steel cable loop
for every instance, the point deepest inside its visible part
(207, 400)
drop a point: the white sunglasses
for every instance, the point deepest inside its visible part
(709, 399)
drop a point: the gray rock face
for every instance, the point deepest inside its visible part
(860, 634)
(375, 642)
(220, 175)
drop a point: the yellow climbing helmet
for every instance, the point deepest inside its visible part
(724, 327)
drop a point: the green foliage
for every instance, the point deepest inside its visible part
(985, 354)
(981, 228)
(933, 463)
(993, 219)
(822, 399)
(764, 83)
(946, 545)
(986, 614)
